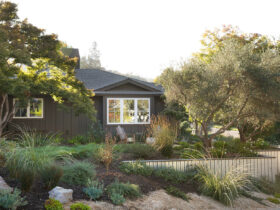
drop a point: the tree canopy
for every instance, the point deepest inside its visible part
(92, 60)
(32, 63)
(236, 83)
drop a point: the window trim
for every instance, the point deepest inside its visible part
(135, 111)
(28, 110)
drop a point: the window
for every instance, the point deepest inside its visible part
(33, 109)
(128, 110)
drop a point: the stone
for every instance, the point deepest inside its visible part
(150, 140)
(4, 185)
(61, 194)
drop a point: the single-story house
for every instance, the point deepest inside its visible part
(119, 100)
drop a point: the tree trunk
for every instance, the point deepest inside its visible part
(241, 134)
(5, 112)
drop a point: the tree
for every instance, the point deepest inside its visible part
(235, 84)
(31, 63)
(212, 42)
(92, 61)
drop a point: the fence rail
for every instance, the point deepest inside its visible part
(266, 166)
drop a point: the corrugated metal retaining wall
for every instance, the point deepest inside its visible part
(266, 166)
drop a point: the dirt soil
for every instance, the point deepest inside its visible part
(159, 200)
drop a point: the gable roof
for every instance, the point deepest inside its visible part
(100, 79)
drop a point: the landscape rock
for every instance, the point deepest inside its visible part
(61, 194)
(4, 185)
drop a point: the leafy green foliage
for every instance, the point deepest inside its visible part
(273, 200)
(52, 204)
(277, 195)
(232, 88)
(78, 172)
(94, 189)
(23, 44)
(165, 133)
(171, 190)
(222, 188)
(79, 206)
(77, 140)
(124, 189)
(117, 198)
(261, 144)
(26, 164)
(11, 200)
(136, 168)
(51, 175)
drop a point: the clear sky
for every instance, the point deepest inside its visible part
(145, 36)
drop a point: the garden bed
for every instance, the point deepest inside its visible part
(38, 195)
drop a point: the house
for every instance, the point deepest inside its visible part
(119, 100)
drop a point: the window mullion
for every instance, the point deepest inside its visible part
(121, 111)
(135, 110)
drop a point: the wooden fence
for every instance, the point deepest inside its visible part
(266, 166)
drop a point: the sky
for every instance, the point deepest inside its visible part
(144, 37)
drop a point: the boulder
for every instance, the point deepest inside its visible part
(4, 185)
(61, 194)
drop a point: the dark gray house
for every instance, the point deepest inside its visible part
(119, 100)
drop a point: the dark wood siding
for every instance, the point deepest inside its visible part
(58, 120)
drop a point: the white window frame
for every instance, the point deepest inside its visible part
(28, 110)
(121, 111)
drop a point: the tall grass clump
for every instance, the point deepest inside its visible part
(26, 164)
(224, 188)
(33, 138)
(165, 133)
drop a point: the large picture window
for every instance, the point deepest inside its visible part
(33, 109)
(128, 110)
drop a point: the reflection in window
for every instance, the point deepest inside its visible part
(33, 108)
(36, 107)
(143, 111)
(128, 111)
(114, 111)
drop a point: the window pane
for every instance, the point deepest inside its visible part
(20, 110)
(128, 111)
(143, 112)
(36, 107)
(114, 111)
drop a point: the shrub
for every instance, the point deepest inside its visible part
(273, 200)
(77, 140)
(277, 195)
(117, 198)
(78, 172)
(222, 188)
(79, 206)
(11, 200)
(138, 150)
(177, 193)
(96, 133)
(165, 133)
(51, 175)
(125, 189)
(52, 204)
(261, 144)
(26, 164)
(136, 168)
(94, 189)
(106, 153)
(171, 175)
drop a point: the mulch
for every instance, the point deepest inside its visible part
(38, 194)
